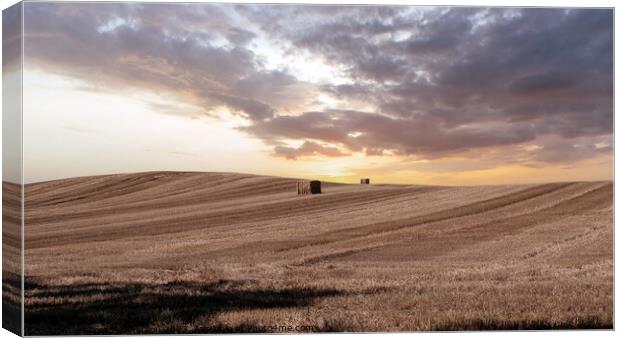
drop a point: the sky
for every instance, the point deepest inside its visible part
(400, 94)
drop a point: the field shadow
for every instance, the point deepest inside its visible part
(131, 308)
(586, 323)
(188, 307)
(11, 302)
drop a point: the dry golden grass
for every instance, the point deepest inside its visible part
(180, 252)
(11, 258)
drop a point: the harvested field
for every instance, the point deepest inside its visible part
(11, 257)
(177, 252)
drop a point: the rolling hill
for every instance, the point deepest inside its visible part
(188, 252)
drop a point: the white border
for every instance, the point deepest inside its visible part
(477, 3)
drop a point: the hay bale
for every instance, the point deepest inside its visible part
(303, 187)
(365, 181)
(308, 187)
(315, 187)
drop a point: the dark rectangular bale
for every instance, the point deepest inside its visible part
(365, 181)
(315, 187)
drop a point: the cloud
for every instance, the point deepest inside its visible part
(143, 45)
(544, 84)
(559, 151)
(432, 81)
(374, 133)
(11, 39)
(447, 80)
(307, 149)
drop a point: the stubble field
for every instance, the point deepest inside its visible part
(176, 252)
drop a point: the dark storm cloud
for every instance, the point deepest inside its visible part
(544, 84)
(433, 81)
(450, 79)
